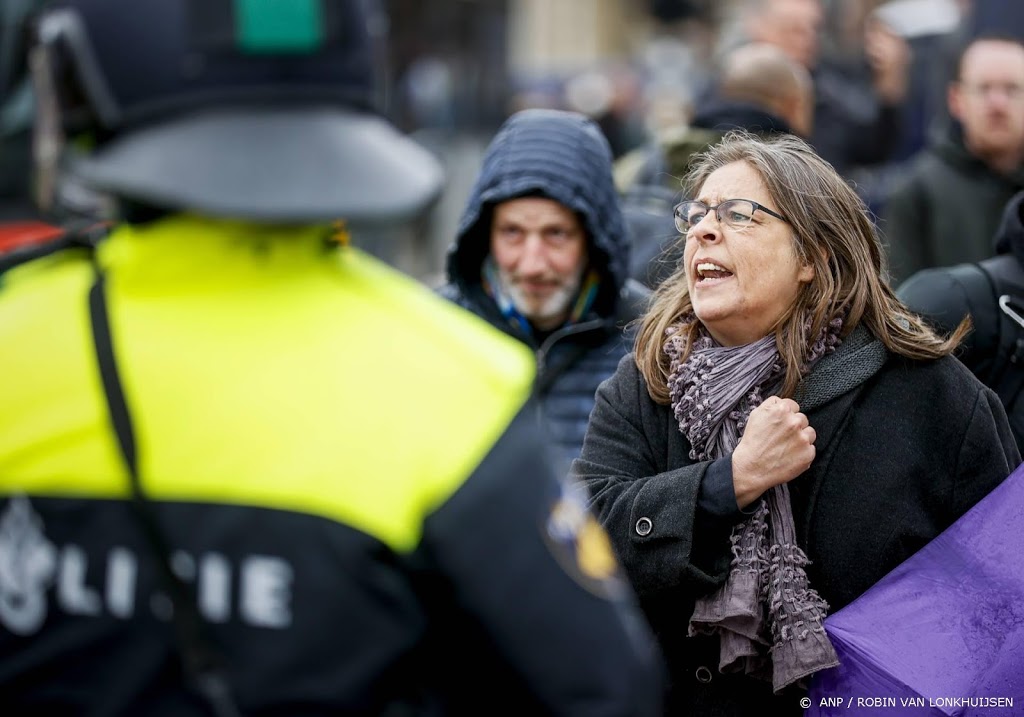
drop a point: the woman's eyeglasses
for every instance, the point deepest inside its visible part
(733, 213)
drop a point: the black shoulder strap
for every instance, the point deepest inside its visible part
(202, 663)
(1007, 375)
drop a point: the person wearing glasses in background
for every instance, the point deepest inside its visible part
(784, 434)
(947, 207)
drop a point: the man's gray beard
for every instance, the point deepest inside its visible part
(555, 309)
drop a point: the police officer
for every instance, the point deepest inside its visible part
(228, 479)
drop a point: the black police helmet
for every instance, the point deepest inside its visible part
(257, 109)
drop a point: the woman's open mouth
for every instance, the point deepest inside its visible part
(710, 273)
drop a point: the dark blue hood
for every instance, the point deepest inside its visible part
(559, 155)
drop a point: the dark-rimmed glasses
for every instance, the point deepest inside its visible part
(734, 213)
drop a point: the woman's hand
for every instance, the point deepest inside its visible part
(777, 446)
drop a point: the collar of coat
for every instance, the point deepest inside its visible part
(859, 357)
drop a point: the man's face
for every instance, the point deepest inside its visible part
(988, 99)
(791, 25)
(540, 249)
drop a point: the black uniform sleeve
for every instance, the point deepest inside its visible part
(534, 591)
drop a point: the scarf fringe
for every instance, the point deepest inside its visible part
(768, 618)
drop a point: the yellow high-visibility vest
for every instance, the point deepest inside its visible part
(262, 366)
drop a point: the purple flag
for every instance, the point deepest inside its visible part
(943, 633)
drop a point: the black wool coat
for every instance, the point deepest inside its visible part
(903, 449)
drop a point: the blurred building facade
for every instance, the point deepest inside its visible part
(466, 64)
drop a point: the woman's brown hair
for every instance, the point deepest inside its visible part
(832, 232)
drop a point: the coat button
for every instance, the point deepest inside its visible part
(643, 526)
(703, 674)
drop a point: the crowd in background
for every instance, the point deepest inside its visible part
(879, 75)
(724, 276)
(879, 71)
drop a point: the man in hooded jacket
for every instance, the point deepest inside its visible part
(542, 253)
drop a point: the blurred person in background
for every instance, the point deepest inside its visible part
(759, 89)
(680, 50)
(857, 107)
(946, 208)
(542, 254)
(610, 95)
(930, 28)
(990, 16)
(244, 467)
(785, 433)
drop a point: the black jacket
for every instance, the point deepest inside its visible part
(945, 295)
(852, 126)
(555, 155)
(946, 209)
(361, 525)
(903, 449)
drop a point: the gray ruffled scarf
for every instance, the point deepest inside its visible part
(768, 618)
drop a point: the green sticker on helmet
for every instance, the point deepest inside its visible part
(279, 26)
